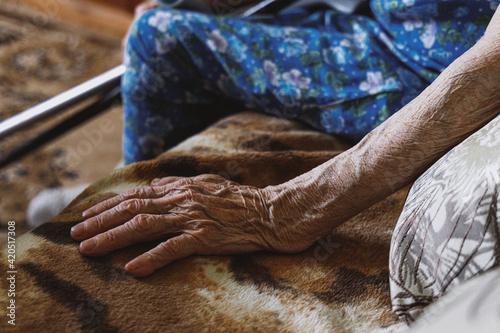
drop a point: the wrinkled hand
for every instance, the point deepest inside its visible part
(206, 215)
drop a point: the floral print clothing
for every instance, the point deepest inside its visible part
(340, 73)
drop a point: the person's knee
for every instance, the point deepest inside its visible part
(146, 56)
(155, 32)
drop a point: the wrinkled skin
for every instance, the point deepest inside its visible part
(211, 215)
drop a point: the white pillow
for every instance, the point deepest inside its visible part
(471, 307)
(449, 228)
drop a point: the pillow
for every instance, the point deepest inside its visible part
(449, 228)
(471, 307)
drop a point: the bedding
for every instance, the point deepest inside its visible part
(448, 231)
(471, 307)
(340, 284)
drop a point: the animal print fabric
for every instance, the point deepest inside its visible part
(448, 231)
(340, 284)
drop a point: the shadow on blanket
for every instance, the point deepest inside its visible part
(339, 284)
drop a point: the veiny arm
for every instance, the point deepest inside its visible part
(211, 215)
(460, 101)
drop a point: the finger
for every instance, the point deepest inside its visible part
(136, 193)
(213, 178)
(189, 181)
(164, 181)
(118, 215)
(142, 228)
(173, 249)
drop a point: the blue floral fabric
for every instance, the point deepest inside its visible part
(341, 73)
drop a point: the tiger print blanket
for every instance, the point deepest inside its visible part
(340, 284)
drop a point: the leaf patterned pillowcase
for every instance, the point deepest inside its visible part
(471, 307)
(449, 228)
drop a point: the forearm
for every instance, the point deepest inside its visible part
(461, 100)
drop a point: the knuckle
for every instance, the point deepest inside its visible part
(219, 178)
(206, 176)
(154, 258)
(185, 181)
(141, 223)
(170, 179)
(188, 194)
(133, 192)
(213, 178)
(109, 236)
(168, 249)
(130, 206)
(205, 233)
(97, 223)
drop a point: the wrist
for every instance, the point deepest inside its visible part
(290, 213)
(313, 201)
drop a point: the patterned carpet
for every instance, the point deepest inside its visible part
(39, 58)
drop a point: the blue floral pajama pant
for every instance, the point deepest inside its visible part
(342, 74)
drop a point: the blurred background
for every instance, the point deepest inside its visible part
(47, 47)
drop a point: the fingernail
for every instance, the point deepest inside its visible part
(86, 213)
(155, 181)
(77, 230)
(131, 268)
(89, 244)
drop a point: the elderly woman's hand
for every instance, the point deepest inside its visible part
(206, 214)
